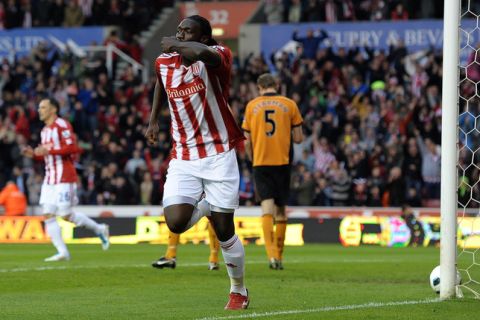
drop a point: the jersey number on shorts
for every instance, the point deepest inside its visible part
(268, 119)
(65, 196)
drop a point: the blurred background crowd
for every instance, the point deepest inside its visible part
(134, 16)
(332, 11)
(371, 118)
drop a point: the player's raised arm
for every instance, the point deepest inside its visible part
(193, 42)
(191, 50)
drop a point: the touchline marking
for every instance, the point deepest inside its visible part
(325, 309)
(195, 264)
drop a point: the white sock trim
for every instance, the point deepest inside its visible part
(226, 245)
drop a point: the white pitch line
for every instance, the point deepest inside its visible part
(196, 264)
(324, 309)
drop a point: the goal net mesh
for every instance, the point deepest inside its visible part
(468, 235)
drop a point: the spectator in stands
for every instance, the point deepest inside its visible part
(295, 11)
(27, 15)
(89, 99)
(122, 191)
(323, 156)
(246, 194)
(19, 178)
(146, 189)
(114, 39)
(412, 165)
(308, 160)
(34, 186)
(473, 65)
(413, 197)
(378, 10)
(360, 192)
(310, 42)
(340, 182)
(273, 10)
(13, 200)
(399, 13)
(13, 15)
(2, 16)
(57, 13)
(430, 166)
(395, 189)
(99, 8)
(86, 6)
(348, 10)
(374, 197)
(73, 15)
(304, 187)
(331, 11)
(313, 11)
(322, 192)
(114, 13)
(134, 163)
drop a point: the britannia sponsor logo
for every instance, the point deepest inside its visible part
(187, 90)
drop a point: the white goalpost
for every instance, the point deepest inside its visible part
(448, 203)
(460, 176)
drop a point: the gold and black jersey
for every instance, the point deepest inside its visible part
(269, 119)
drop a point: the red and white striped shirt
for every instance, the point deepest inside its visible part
(59, 140)
(202, 124)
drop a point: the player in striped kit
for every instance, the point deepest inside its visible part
(193, 76)
(58, 194)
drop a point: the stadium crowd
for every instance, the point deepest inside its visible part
(132, 16)
(371, 118)
(331, 11)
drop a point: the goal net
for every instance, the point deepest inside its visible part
(468, 165)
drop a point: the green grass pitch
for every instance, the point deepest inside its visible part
(319, 282)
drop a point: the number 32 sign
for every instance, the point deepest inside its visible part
(228, 16)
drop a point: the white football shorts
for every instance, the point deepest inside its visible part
(58, 199)
(217, 176)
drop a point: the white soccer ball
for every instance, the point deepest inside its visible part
(435, 279)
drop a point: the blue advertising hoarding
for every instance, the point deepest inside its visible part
(21, 41)
(416, 34)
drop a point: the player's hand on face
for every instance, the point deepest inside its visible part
(27, 151)
(40, 151)
(152, 133)
(167, 44)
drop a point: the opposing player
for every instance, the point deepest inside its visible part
(269, 122)
(193, 75)
(169, 260)
(58, 194)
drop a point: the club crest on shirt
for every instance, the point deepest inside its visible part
(196, 69)
(66, 134)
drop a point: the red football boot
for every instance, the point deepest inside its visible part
(237, 302)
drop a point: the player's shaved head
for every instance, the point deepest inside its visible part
(266, 81)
